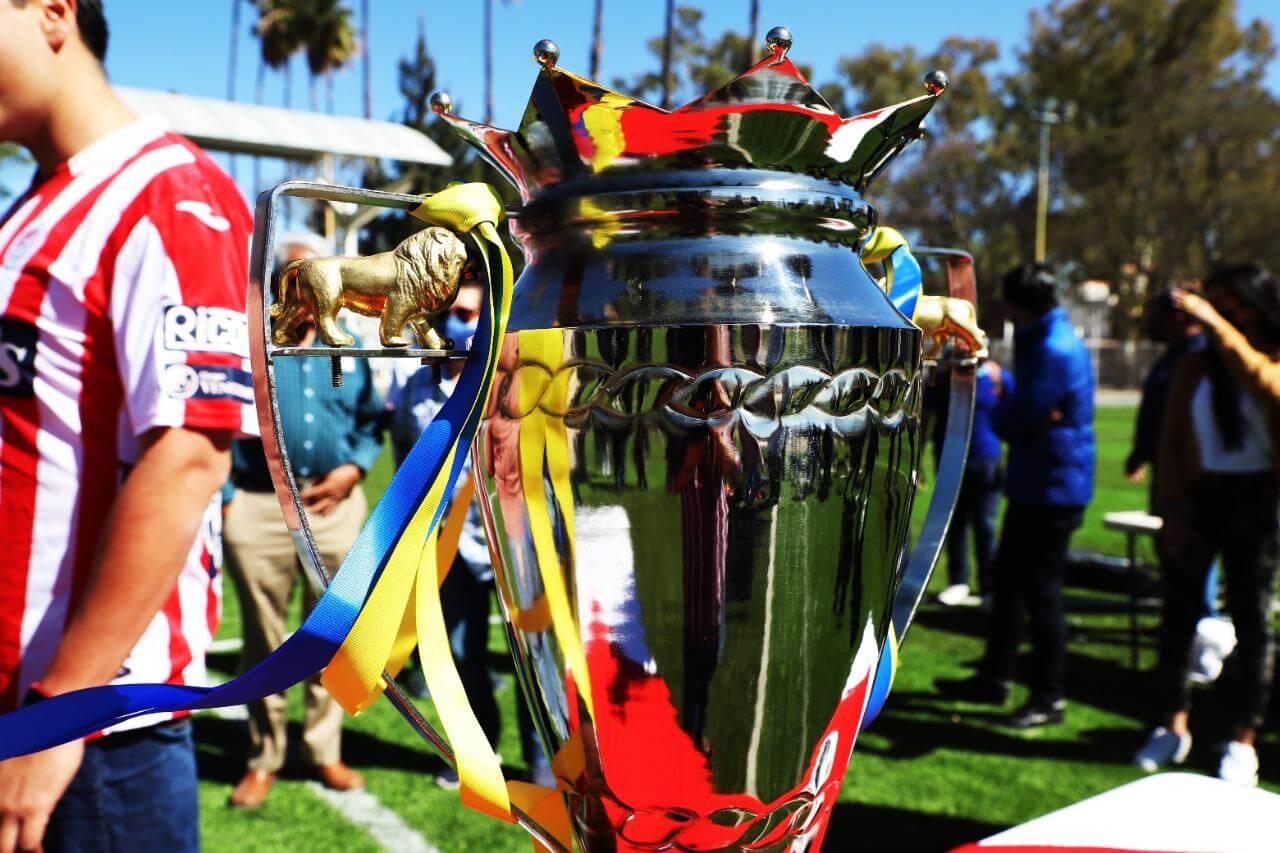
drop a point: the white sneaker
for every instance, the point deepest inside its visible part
(1162, 748)
(1239, 765)
(1215, 639)
(953, 595)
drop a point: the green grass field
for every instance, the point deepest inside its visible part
(926, 776)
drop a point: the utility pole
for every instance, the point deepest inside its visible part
(365, 59)
(1047, 116)
(488, 61)
(597, 40)
(667, 39)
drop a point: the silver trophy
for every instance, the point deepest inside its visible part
(699, 459)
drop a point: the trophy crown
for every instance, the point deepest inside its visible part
(768, 117)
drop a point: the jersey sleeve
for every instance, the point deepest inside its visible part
(178, 307)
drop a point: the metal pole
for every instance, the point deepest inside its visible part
(488, 61)
(597, 40)
(1046, 117)
(1042, 192)
(667, 39)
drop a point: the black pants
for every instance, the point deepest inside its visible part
(1235, 516)
(976, 507)
(1028, 585)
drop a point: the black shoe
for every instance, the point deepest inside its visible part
(975, 688)
(1037, 713)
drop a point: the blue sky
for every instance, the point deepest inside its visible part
(182, 46)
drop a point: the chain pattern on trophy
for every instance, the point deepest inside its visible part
(699, 459)
(777, 829)
(759, 401)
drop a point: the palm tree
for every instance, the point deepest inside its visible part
(277, 31)
(753, 31)
(327, 36)
(234, 50)
(279, 37)
(597, 40)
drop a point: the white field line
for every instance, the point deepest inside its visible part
(359, 807)
(226, 646)
(365, 811)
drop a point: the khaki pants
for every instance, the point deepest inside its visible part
(264, 566)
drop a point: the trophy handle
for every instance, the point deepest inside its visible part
(955, 450)
(264, 351)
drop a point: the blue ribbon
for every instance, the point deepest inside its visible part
(80, 713)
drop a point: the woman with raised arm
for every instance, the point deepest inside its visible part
(1217, 491)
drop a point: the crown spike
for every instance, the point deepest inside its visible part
(936, 82)
(441, 103)
(768, 117)
(547, 53)
(778, 40)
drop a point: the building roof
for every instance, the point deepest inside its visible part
(292, 134)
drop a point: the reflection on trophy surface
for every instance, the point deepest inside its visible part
(406, 286)
(699, 453)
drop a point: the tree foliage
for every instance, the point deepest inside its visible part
(417, 76)
(1168, 162)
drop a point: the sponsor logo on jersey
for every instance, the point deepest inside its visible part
(17, 358)
(202, 211)
(200, 328)
(24, 247)
(189, 381)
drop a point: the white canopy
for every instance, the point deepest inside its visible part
(251, 129)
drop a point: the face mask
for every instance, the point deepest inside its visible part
(459, 331)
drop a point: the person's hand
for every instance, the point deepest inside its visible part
(1197, 306)
(330, 490)
(1135, 469)
(996, 375)
(30, 787)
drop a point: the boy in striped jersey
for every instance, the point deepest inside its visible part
(123, 379)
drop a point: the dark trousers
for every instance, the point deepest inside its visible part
(134, 791)
(976, 507)
(1027, 585)
(1233, 516)
(466, 603)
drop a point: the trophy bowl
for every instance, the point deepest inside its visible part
(700, 454)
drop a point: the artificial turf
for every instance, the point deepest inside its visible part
(927, 775)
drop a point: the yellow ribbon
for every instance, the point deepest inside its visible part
(544, 445)
(403, 609)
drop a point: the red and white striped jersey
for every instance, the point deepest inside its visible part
(122, 296)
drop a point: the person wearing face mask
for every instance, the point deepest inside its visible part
(1217, 491)
(413, 400)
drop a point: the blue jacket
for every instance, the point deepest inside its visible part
(984, 444)
(1050, 462)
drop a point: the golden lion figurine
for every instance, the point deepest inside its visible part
(406, 286)
(942, 318)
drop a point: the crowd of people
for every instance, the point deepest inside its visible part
(1206, 437)
(128, 465)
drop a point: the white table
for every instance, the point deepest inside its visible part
(1168, 812)
(1133, 523)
